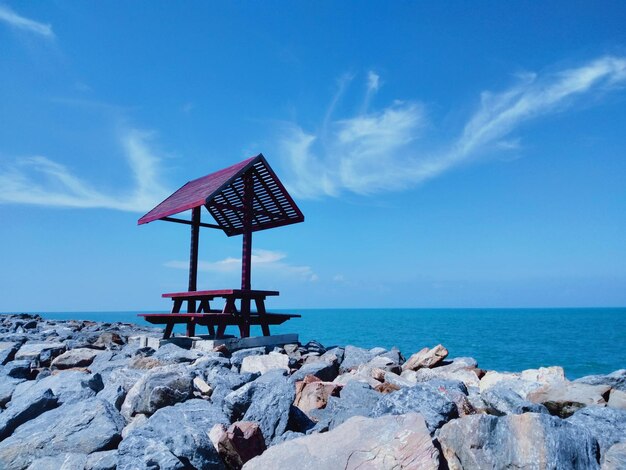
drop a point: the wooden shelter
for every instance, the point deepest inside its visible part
(242, 199)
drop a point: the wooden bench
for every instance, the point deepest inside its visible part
(213, 319)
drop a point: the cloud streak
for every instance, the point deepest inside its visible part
(38, 180)
(265, 260)
(389, 150)
(14, 20)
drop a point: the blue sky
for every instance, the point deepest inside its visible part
(444, 154)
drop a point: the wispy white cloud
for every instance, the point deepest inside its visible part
(40, 181)
(266, 260)
(375, 151)
(11, 18)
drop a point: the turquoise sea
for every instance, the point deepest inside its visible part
(582, 340)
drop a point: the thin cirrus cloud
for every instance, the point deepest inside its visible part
(14, 20)
(38, 180)
(376, 151)
(265, 260)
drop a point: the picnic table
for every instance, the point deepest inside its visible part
(199, 312)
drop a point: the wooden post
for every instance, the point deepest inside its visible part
(193, 256)
(246, 252)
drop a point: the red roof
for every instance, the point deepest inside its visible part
(222, 195)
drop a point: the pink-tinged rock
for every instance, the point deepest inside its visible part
(80, 357)
(617, 399)
(314, 394)
(565, 398)
(239, 443)
(426, 358)
(388, 442)
(615, 457)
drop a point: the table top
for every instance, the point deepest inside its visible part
(237, 293)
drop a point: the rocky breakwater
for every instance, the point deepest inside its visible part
(85, 395)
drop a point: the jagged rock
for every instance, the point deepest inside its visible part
(83, 427)
(607, 425)
(395, 355)
(467, 376)
(501, 400)
(66, 461)
(68, 386)
(174, 437)
(104, 460)
(565, 398)
(210, 360)
(237, 357)
(315, 346)
(265, 363)
(163, 386)
(326, 371)
(7, 351)
(21, 411)
(266, 400)
(524, 382)
(74, 358)
(135, 422)
(388, 442)
(7, 387)
(109, 340)
(313, 394)
(19, 370)
(384, 363)
(529, 440)
(238, 444)
(353, 358)
(172, 354)
(386, 387)
(334, 354)
(617, 399)
(42, 352)
(223, 381)
(397, 380)
(436, 408)
(355, 399)
(426, 358)
(202, 387)
(615, 457)
(616, 380)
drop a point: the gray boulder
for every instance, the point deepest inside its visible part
(172, 354)
(607, 425)
(325, 371)
(21, 411)
(237, 357)
(174, 437)
(7, 351)
(82, 427)
(388, 442)
(354, 357)
(223, 381)
(18, 370)
(162, 386)
(436, 408)
(529, 440)
(66, 461)
(501, 400)
(266, 400)
(42, 352)
(355, 399)
(7, 387)
(615, 457)
(103, 460)
(332, 353)
(67, 386)
(616, 380)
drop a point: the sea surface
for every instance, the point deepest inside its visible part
(583, 340)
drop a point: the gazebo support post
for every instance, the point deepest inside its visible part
(246, 251)
(193, 256)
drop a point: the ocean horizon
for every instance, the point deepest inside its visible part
(583, 341)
